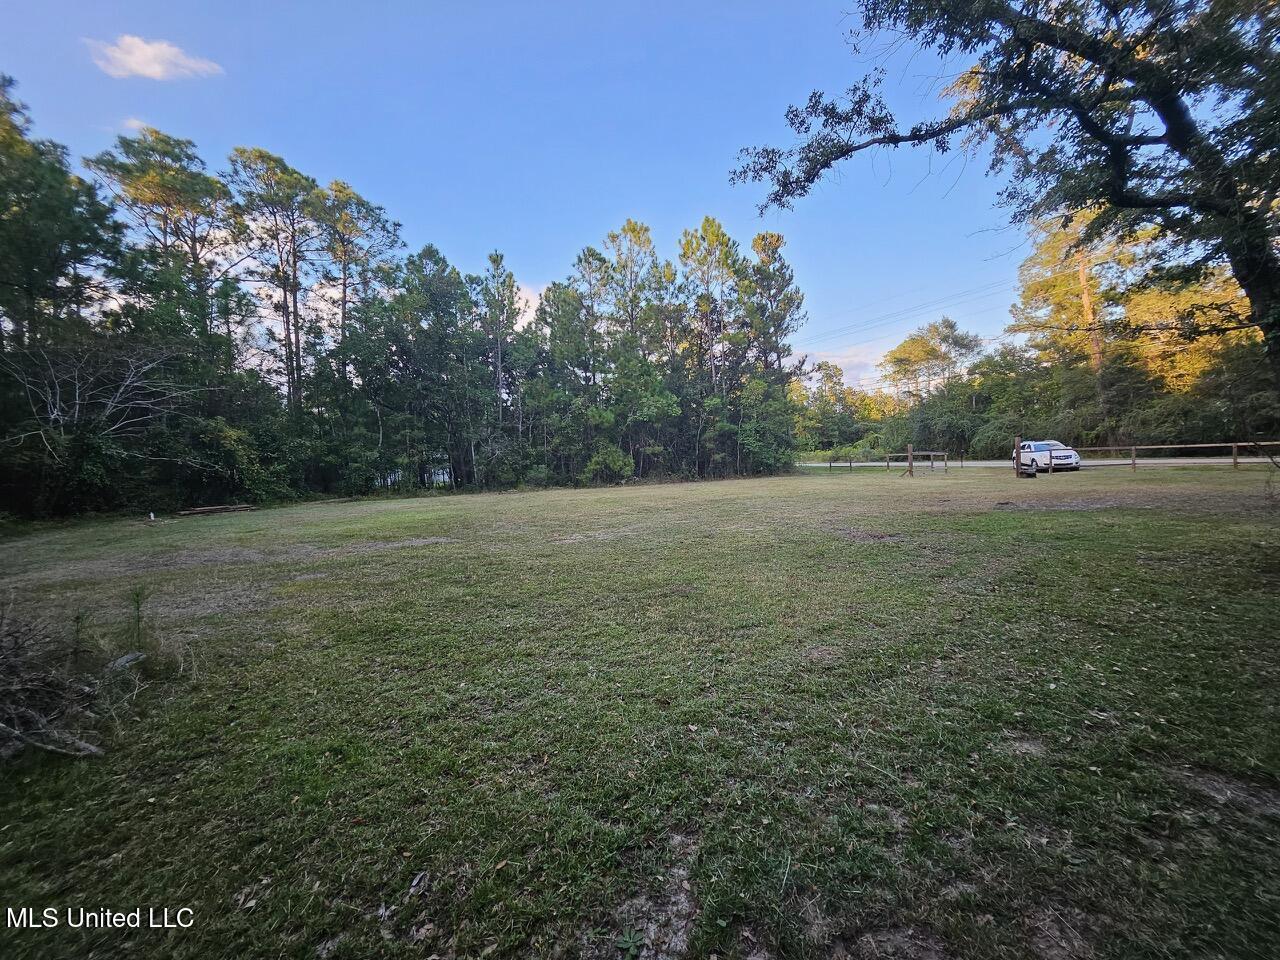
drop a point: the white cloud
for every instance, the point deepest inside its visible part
(527, 301)
(858, 363)
(133, 124)
(132, 56)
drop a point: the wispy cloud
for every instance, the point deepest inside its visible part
(131, 56)
(133, 124)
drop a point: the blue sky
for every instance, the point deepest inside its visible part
(535, 128)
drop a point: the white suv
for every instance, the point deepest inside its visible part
(1036, 455)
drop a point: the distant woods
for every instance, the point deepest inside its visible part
(1097, 352)
(174, 335)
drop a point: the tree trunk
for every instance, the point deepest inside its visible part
(24, 321)
(297, 332)
(203, 289)
(1266, 312)
(342, 314)
(497, 377)
(229, 354)
(288, 344)
(1086, 309)
(1257, 269)
(342, 319)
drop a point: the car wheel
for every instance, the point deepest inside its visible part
(1035, 465)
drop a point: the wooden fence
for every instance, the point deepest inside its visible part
(1132, 450)
(911, 455)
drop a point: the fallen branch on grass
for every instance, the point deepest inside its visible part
(53, 741)
(44, 698)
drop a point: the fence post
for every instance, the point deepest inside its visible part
(1017, 455)
(1050, 452)
(944, 463)
(1235, 456)
(1133, 459)
(911, 462)
(886, 461)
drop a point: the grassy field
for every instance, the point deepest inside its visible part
(828, 715)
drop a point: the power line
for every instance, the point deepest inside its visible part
(959, 298)
(895, 316)
(862, 343)
(897, 296)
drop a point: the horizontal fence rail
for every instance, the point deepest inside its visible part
(1131, 449)
(1122, 452)
(1186, 446)
(909, 455)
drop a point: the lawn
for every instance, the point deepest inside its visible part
(827, 715)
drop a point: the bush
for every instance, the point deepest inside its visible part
(538, 475)
(607, 465)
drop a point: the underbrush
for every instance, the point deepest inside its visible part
(66, 690)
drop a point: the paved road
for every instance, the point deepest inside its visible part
(1143, 462)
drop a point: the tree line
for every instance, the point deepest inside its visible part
(1097, 353)
(173, 336)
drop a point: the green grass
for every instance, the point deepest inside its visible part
(790, 717)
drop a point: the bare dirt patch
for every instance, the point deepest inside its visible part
(958, 840)
(1137, 497)
(959, 890)
(865, 536)
(1059, 933)
(898, 943)
(1256, 800)
(1025, 747)
(752, 945)
(895, 818)
(664, 921)
(821, 654)
(375, 546)
(596, 536)
(182, 604)
(113, 567)
(1073, 505)
(817, 925)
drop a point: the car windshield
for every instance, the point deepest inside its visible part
(1048, 445)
